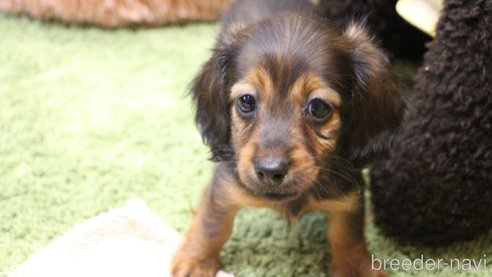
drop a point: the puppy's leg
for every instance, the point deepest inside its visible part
(346, 237)
(210, 229)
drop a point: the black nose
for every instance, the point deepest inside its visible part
(271, 170)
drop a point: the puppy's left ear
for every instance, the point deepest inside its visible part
(375, 109)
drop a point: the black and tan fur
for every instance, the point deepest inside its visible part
(284, 56)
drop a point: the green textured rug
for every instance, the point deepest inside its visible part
(90, 118)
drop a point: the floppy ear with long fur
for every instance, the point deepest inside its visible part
(376, 107)
(210, 90)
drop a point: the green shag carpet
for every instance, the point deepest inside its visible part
(91, 118)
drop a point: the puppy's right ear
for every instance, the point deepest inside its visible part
(210, 90)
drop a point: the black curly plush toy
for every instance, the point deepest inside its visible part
(435, 183)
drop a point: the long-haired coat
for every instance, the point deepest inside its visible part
(292, 109)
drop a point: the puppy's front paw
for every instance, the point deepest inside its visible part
(354, 261)
(186, 265)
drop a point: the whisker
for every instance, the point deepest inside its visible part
(348, 178)
(341, 159)
(334, 186)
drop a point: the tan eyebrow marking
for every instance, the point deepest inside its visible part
(240, 88)
(310, 84)
(257, 82)
(328, 94)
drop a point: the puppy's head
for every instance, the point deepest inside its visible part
(281, 97)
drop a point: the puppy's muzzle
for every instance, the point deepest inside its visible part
(272, 169)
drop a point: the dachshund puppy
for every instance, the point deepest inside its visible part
(292, 109)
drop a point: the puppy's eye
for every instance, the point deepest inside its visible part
(319, 109)
(246, 103)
